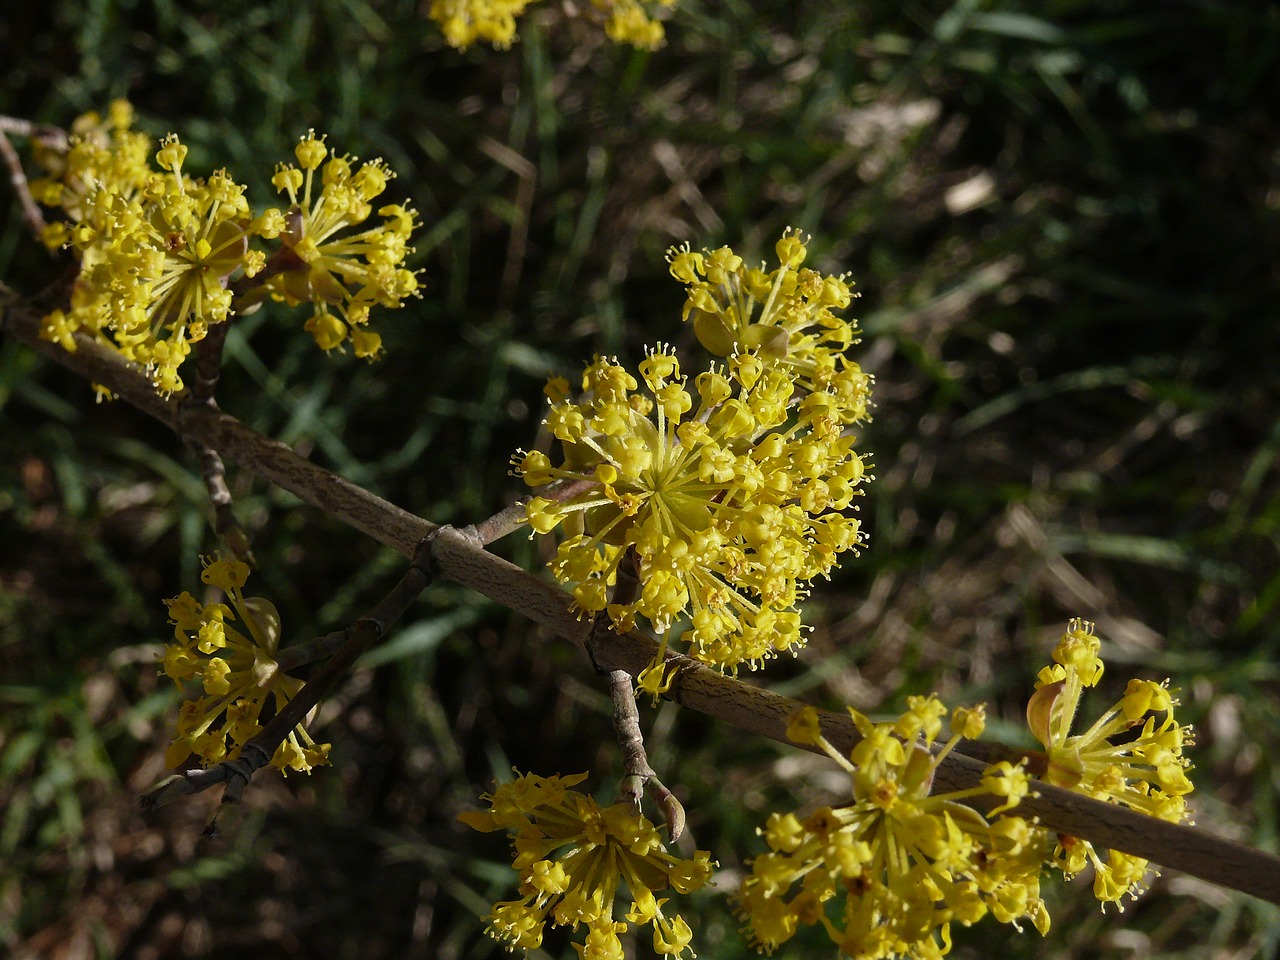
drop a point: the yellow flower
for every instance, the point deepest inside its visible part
(887, 874)
(796, 325)
(1146, 772)
(724, 500)
(343, 274)
(237, 671)
(655, 679)
(600, 849)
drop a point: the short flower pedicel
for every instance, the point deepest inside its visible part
(1147, 773)
(888, 874)
(606, 848)
(726, 498)
(237, 671)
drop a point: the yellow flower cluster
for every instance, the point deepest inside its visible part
(600, 849)
(633, 21)
(796, 326)
(237, 671)
(725, 499)
(887, 874)
(464, 22)
(1145, 772)
(160, 250)
(100, 151)
(155, 262)
(343, 274)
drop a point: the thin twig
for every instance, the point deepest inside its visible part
(463, 559)
(55, 138)
(31, 213)
(208, 369)
(299, 654)
(505, 521)
(208, 366)
(638, 775)
(225, 523)
(512, 517)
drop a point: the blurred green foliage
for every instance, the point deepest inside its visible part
(1065, 221)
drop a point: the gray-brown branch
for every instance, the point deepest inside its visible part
(463, 559)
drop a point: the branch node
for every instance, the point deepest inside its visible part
(376, 625)
(424, 560)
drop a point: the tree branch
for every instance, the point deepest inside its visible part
(463, 559)
(274, 461)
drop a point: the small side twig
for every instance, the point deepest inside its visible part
(505, 521)
(638, 775)
(225, 524)
(299, 654)
(208, 367)
(31, 213)
(208, 351)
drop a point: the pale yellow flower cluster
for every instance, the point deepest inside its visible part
(574, 858)
(237, 672)
(785, 315)
(1132, 755)
(155, 261)
(888, 873)
(344, 274)
(725, 500)
(160, 250)
(464, 22)
(633, 21)
(100, 151)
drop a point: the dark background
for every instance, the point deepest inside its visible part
(1063, 218)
